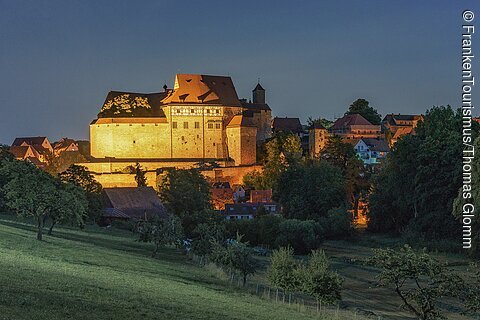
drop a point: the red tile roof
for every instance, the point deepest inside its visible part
(350, 120)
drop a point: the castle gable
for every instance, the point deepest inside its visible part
(204, 89)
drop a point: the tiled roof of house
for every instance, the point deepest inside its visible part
(261, 195)
(19, 152)
(29, 140)
(136, 202)
(391, 118)
(350, 120)
(379, 145)
(287, 125)
(63, 143)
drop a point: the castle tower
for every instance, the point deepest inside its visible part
(258, 94)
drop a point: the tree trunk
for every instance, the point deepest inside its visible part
(40, 228)
(244, 279)
(51, 227)
(154, 253)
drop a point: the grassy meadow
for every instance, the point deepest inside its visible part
(105, 274)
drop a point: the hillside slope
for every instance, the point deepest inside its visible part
(105, 274)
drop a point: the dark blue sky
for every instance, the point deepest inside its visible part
(58, 59)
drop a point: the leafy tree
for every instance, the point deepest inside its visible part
(362, 107)
(300, 235)
(161, 232)
(311, 122)
(60, 163)
(185, 191)
(139, 173)
(208, 234)
(337, 224)
(308, 192)
(282, 151)
(70, 205)
(318, 281)
(338, 153)
(282, 271)
(31, 192)
(235, 257)
(80, 176)
(419, 280)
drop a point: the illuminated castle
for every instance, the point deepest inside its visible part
(200, 120)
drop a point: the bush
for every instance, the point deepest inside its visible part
(300, 235)
(338, 224)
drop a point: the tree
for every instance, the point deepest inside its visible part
(281, 273)
(419, 280)
(208, 234)
(31, 192)
(70, 206)
(139, 173)
(299, 235)
(184, 191)
(63, 161)
(81, 177)
(235, 257)
(161, 232)
(311, 122)
(308, 192)
(342, 155)
(362, 107)
(281, 152)
(318, 281)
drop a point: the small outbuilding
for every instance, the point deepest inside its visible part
(132, 203)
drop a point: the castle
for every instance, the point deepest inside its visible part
(200, 120)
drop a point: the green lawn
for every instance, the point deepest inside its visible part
(105, 274)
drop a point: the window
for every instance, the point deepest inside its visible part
(210, 126)
(217, 111)
(178, 110)
(174, 125)
(185, 125)
(217, 125)
(208, 110)
(197, 125)
(192, 111)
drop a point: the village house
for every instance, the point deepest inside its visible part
(248, 210)
(398, 125)
(64, 145)
(37, 150)
(371, 151)
(355, 126)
